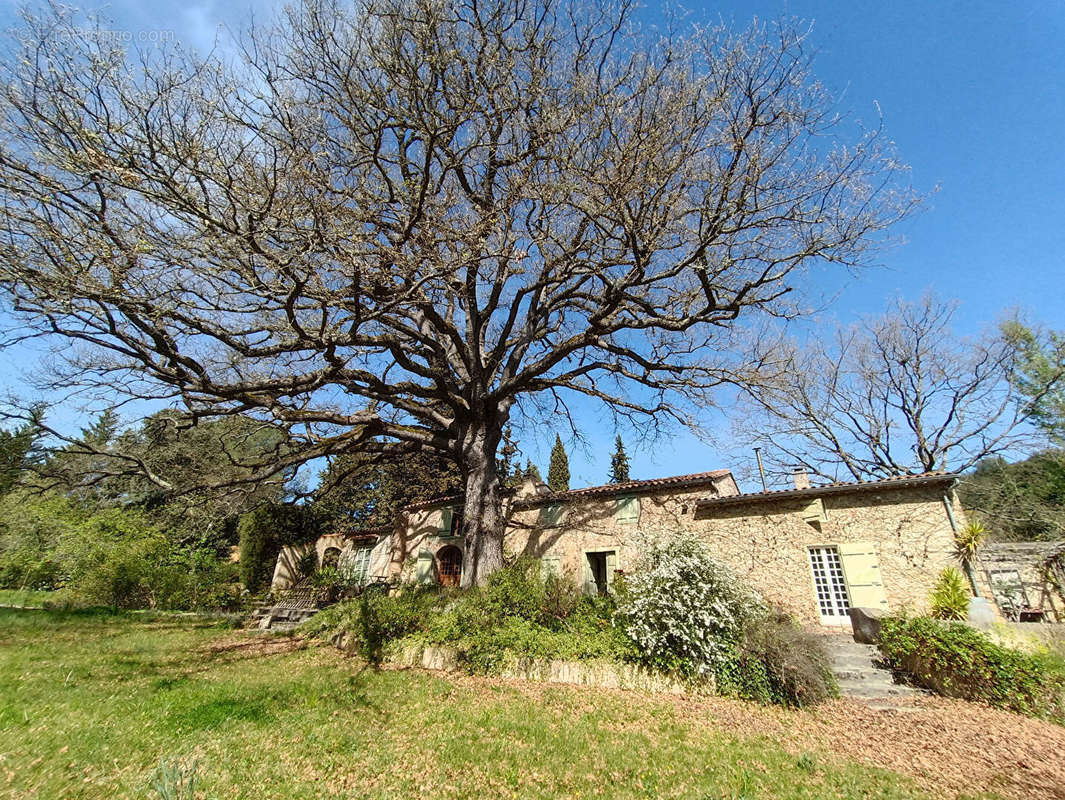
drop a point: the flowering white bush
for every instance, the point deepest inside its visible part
(683, 609)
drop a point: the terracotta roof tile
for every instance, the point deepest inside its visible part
(673, 482)
(840, 487)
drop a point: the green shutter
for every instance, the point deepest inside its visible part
(423, 572)
(550, 516)
(862, 571)
(611, 566)
(445, 521)
(551, 565)
(627, 509)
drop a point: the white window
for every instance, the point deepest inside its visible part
(356, 564)
(829, 583)
(627, 509)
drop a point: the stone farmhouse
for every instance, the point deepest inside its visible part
(814, 550)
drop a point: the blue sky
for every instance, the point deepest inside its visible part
(973, 94)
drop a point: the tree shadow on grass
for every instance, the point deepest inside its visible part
(265, 704)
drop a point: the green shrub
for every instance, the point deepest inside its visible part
(376, 618)
(778, 662)
(958, 661)
(517, 614)
(517, 590)
(684, 610)
(950, 596)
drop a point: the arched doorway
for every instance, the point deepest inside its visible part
(331, 558)
(449, 565)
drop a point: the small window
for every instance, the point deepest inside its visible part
(446, 515)
(551, 516)
(331, 558)
(456, 522)
(627, 509)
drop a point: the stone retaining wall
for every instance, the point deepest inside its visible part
(600, 674)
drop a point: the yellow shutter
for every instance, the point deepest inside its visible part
(862, 571)
(814, 511)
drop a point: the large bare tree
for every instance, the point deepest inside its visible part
(894, 394)
(391, 226)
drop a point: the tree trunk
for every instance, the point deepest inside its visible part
(483, 518)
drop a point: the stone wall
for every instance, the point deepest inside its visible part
(1039, 568)
(766, 541)
(905, 531)
(588, 523)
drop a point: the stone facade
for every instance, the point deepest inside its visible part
(889, 539)
(1027, 575)
(903, 532)
(345, 545)
(588, 520)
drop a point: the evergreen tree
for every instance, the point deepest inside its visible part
(17, 450)
(558, 471)
(509, 468)
(619, 463)
(533, 471)
(102, 430)
(362, 490)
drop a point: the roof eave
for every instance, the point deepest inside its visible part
(829, 489)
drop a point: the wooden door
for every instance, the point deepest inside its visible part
(449, 566)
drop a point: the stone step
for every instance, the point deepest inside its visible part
(856, 661)
(849, 647)
(873, 689)
(857, 674)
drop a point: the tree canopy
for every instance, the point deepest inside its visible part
(387, 227)
(894, 394)
(366, 492)
(1022, 501)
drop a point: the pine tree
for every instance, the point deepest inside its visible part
(619, 463)
(17, 449)
(558, 471)
(102, 430)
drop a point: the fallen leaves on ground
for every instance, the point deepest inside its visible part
(951, 747)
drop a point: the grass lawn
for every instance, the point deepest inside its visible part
(90, 704)
(24, 598)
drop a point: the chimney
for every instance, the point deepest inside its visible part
(802, 480)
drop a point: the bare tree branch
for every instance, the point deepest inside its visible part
(406, 217)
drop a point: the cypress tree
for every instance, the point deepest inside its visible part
(533, 471)
(558, 471)
(509, 471)
(619, 463)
